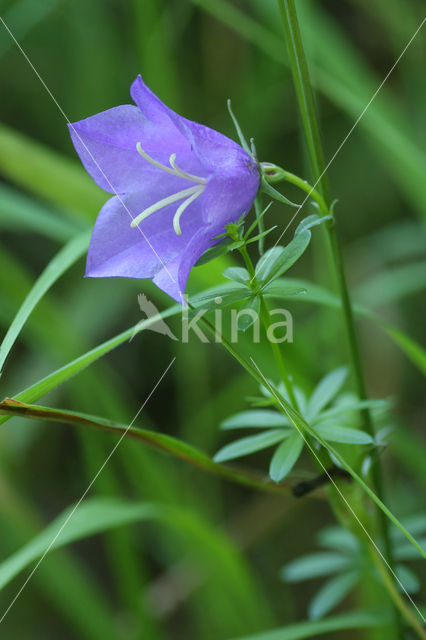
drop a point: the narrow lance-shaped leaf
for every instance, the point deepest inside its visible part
(63, 260)
(257, 418)
(301, 424)
(248, 313)
(251, 444)
(350, 407)
(346, 435)
(335, 537)
(285, 457)
(20, 213)
(326, 390)
(333, 592)
(314, 565)
(318, 295)
(278, 260)
(310, 629)
(239, 274)
(54, 379)
(48, 174)
(407, 578)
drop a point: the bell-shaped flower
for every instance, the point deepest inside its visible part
(176, 184)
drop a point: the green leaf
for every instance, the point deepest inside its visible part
(278, 260)
(91, 517)
(408, 578)
(406, 551)
(276, 195)
(393, 284)
(250, 444)
(314, 565)
(313, 293)
(311, 629)
(238, 129)
(248, 313)
(338, 538)
(318, 295)
(256, 222)
(325, 391)
(262, 235)
(285, 457)
(238, 274)
(333, 592)
(224, 246)
(256, 419)
(311, 221)
(54, 379)
(302, 425)
(160, 441)
(229, 293)
(285, 291)
(63, 260)
(213, 553)
(23, 214)
(349, 407)
(345, 435)
(48, 174)
(414, 351)
(415, 523)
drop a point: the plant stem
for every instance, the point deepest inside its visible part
(260, 223)
(305, 96)
(276, 351)
(307, 109)
(395, 595)
(265, 317)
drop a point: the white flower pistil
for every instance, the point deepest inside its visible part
(188, 195)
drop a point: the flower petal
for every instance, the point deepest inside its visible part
(106, 144)
(213, 149)
(116, 249)
(173, 277)
(229, 195)
(149, 104)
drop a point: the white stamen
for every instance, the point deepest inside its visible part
(190, 194)
(164, 202)
(182, 207)
(174, 171)
(152, 161)
(184, 174)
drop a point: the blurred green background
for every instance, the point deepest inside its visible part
(217, 577)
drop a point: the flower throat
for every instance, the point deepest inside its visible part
(187, 195)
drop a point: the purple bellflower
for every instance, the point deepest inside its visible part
(176, 184)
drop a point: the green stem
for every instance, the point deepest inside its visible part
(260, 223)
(280, 174)
(265, 317)
(399, 603)
(305, 96)
(307, 109)
(276, 351)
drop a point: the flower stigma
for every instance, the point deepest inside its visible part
(188, 195)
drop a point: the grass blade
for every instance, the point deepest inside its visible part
(63, 260)
(306, 630)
